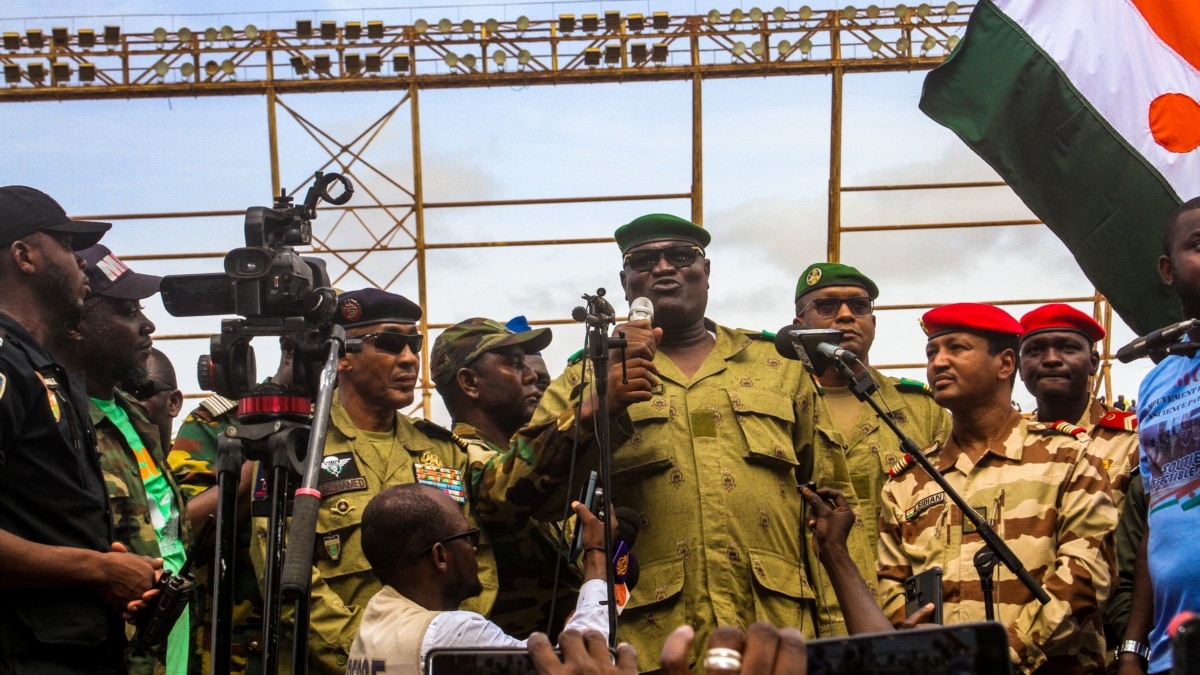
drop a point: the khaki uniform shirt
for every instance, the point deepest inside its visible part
(1115, 443)
(351, 474)
(869, 454)
(710, 463)
(1049, 500)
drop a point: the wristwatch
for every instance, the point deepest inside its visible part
(1134, 647)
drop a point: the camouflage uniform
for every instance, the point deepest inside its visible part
(132, 524)
(1049, 500)
(1114, 442)
(869, 455)
(193, 458)
(525, 559)
(352, 473)
(711, 464)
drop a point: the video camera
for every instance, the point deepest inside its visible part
(277, 292)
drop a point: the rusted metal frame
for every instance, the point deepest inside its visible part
(939, 226)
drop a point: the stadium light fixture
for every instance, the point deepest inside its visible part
(59, 37)
(12, 41)
(612, 20)
(353, 63)
(112, 35)
(660, 20)
(375, 30)
(352, 31)
(35, 39)
(12, 73)
(591, 23)
(400, 63)
(659, 53)
(60, 72)
(566, 23)
(87, 72)
(323, 64)
(636, 22)
(304, 29)
(374, 63)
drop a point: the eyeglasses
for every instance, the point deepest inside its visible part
(393, 342)
(676, 256)
(471, 535)
(829, 307)
(150, 388)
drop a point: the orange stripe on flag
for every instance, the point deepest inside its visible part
(1176, 23)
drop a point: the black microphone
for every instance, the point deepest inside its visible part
(628, 526)
(641, 308)
(816, 348)
(1156, 341)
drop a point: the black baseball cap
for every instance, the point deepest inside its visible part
(110, 277)
(24, 210)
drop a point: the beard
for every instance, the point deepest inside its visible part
(455, 594)
(58, 290)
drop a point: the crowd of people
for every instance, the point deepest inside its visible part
(773, 505)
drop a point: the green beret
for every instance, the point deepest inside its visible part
(659, 227)
(819, 275)
(466, 341)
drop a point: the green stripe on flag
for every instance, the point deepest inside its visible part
(1016, 109)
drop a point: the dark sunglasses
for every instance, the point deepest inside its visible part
(150, 388)
(471, 535)
(392, 342)
(676, 256)
(829, 307)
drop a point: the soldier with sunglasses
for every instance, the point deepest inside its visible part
(371, 446)
(847, 432)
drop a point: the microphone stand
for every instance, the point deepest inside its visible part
(598, 316)
(994, 549)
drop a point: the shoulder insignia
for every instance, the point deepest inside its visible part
(1065, 428)
(1119, 420)
(575, 358)
(900, 465)
(218, 405)
(431, 429)
(915, 386)
(757, 334)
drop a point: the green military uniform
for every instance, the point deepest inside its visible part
(193, 458)
(353, 471)
(133, 524)
(711, 464)
(869, 454)
(525, 560)
(1131, 527)
(1048, 498)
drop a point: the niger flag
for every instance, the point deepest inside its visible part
(1088, 110)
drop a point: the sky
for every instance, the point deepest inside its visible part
(766, 157)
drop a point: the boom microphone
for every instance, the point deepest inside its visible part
(1156, 341)
(641, 308)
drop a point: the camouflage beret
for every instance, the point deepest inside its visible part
(822, 274)
(465, 341)
(660, 227)
(370, 306)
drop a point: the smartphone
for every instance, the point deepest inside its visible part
(501, 661)
(979, 648)
(588, 497)
(922, 589)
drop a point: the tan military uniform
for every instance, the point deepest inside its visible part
(869, 454)
(352, 473)
(1049, 500)
(710, 463)
(1114, 442)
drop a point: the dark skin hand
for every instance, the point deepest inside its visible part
(582, 654)
(765, 649)
(1141, 612)
(831, 519)
(634, 380)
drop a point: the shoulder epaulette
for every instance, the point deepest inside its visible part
(914, 386)
(757, 334)
(575, 358)
(1119, 420)
(899, 466)
(1065, 428)
(432, 429)
(218, 405)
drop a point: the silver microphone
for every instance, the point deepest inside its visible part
(641, 308)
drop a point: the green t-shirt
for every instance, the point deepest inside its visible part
(164, 514)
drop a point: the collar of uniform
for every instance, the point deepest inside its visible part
(15, 332)
(466, 434)
(413, 441)
(136, 413)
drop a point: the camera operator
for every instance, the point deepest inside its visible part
(423, 548)
(63, 582)
(371, 446)
(111, 344)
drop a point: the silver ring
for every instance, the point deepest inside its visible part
(721, 659)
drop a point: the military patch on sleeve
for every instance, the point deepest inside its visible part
(1119, 420)
(444, 478)
(339, 473)
(923, 505)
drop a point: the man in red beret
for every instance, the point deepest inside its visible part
(1058, 357)
(1044, 494)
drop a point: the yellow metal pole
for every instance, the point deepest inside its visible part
(419, 217)
(834, 235)
(697, 152)
(273, 142)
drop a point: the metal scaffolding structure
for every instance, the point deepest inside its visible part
(56, 64)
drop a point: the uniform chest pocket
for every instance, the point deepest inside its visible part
(337, 548)
(766, 420)
(649, 448)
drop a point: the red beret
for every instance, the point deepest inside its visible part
(1057, 316)
(969, 316)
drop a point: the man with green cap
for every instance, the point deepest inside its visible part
(705, 448)
(836, 296)
(481, 370)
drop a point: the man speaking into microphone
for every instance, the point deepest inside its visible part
(835, 296)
